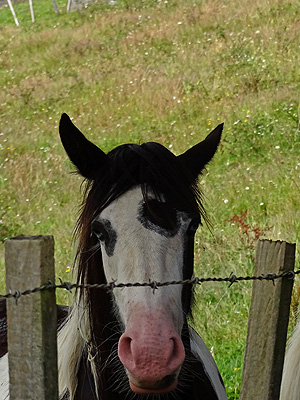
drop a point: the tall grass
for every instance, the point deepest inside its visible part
(167, 71)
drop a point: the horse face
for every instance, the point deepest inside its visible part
(142, 242)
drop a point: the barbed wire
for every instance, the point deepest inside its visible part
(231, 279)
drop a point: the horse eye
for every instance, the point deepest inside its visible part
(99, 231)
(193, 226)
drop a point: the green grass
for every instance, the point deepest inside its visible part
(167, 71)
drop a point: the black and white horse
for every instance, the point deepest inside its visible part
(140, 212)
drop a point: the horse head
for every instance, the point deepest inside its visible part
(138, 222)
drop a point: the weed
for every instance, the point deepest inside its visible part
(248, 234)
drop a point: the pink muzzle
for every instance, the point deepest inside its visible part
(152, 353)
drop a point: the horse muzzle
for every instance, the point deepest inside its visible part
(152, 360)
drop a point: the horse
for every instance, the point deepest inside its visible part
(141, 209)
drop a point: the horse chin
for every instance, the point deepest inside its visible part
(153, 389)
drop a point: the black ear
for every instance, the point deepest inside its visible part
(86, 156)
(198, 156)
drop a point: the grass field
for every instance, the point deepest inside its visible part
(166, 71)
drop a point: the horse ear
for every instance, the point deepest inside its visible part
(86, 156)
(198, 156)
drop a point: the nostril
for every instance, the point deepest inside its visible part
(177, 354)
(124, 350)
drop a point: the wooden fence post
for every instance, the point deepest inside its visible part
(268, 322)
(32, 351)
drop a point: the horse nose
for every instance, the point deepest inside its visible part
(152, 361)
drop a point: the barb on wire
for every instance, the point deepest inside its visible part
(231, 279)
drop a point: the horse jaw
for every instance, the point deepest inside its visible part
(150, 348)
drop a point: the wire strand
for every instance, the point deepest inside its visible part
(231, 279)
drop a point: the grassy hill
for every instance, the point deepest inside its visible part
(166, 71)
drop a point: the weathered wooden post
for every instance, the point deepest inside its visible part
(32, 351)
(268, 322)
